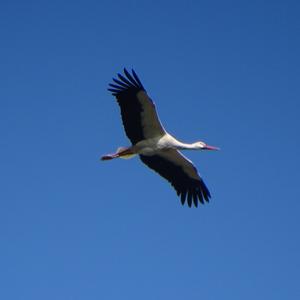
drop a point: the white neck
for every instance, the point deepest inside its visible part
(184, 146)
(169, 141)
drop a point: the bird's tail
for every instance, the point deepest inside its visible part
(122, 152)
(125, 153)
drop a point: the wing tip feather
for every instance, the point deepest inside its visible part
(191, 191)
(127, 82)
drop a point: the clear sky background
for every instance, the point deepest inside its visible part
(72, 227)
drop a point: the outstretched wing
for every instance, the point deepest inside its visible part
(139, 116)
(181, 173)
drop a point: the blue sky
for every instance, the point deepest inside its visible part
(72, 227)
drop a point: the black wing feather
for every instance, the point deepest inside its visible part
(130, 84)
(125, 90)
(187, 188)
(132, 80)
(137, 79)
(120, 83)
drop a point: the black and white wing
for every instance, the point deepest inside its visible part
(138, 111)
(181, 173)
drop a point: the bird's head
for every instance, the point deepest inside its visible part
(203, 146)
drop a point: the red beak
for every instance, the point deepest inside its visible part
(207, 147)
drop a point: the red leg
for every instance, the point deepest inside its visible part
(109, 156)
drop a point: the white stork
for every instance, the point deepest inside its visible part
(155, 146)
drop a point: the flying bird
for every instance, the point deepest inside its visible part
(156, 147)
